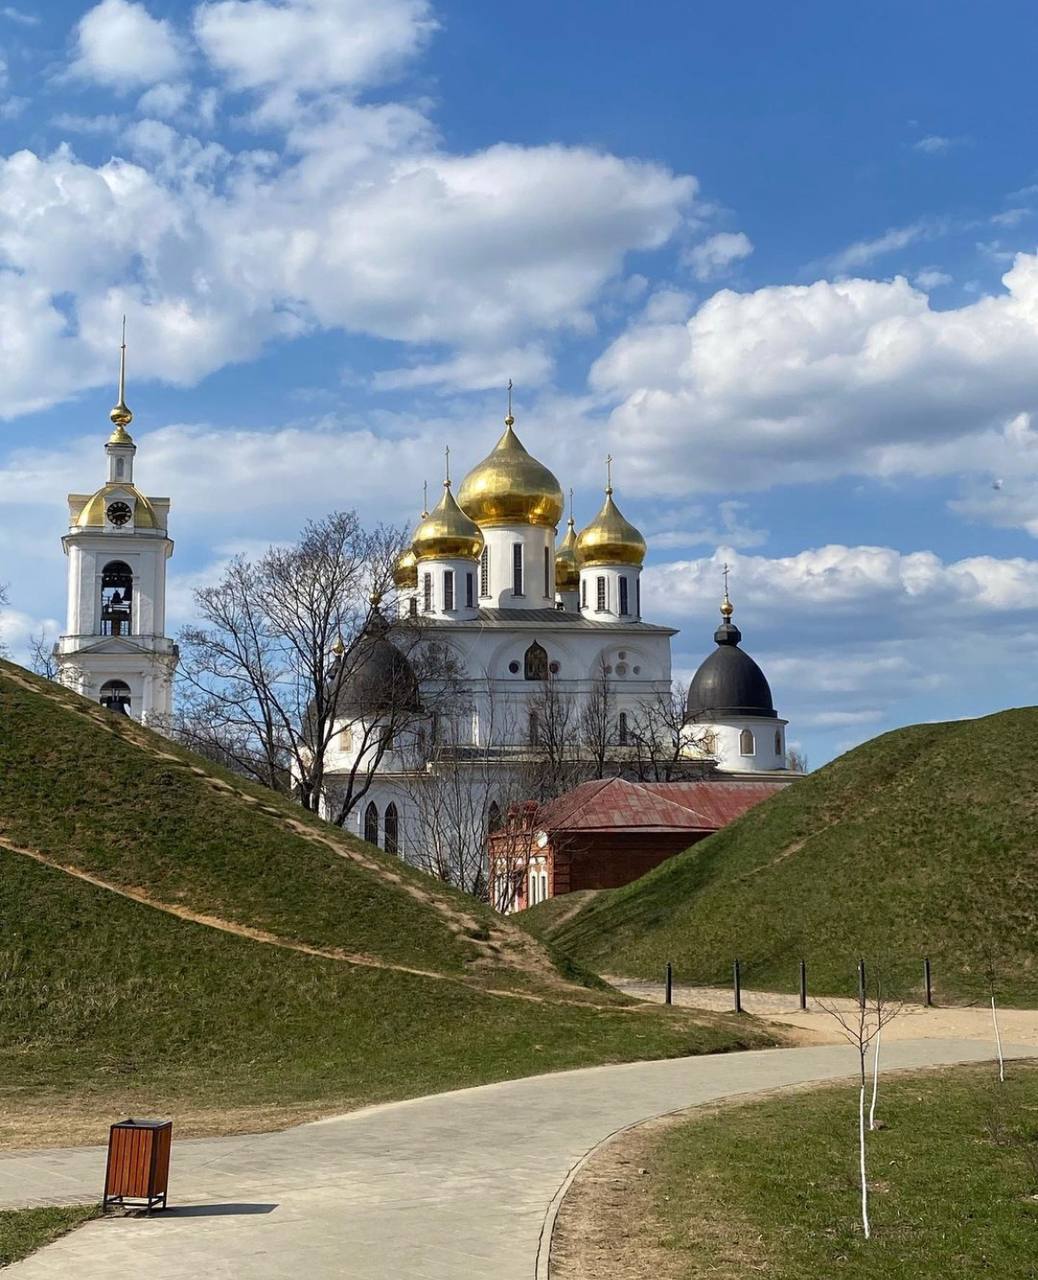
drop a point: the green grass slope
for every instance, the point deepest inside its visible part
(921, 842)
(112, 1002)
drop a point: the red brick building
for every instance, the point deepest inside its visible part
(606, 833)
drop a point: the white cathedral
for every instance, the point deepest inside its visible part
(485, 576)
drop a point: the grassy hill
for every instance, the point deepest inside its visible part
(921, 842)
(174, 940)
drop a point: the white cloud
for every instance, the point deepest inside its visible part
(934, 144)
(888, 591)
(472, 371)
(119, 44)
(863, 252)
(371, 229)
(311, 45)
(713, 257)
(801, 383)
(164, 100)
(20, 16)
(930, 278)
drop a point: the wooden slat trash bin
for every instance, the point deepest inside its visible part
(137, 1175)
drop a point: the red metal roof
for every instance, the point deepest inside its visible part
(612, 803)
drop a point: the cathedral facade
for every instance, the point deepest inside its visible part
(519, 611)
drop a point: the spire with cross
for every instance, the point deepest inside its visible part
(727, 608)
(609, 474)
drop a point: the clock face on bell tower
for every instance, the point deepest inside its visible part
(118, 513)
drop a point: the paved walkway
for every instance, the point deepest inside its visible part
(451, 1187)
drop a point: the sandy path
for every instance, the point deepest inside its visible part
(961, 1022)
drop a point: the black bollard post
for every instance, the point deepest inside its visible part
(861, 983)
(669, 998)
(803, 984)
(928, 983)
(737, 983)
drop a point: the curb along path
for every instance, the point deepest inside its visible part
(455, 1186)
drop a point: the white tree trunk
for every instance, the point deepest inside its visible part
(998, 1044)
(875, 1081)
(861, 1149)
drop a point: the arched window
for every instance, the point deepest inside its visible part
(115, 695)
(583, 593)
(600, 588)
(544, 886)
(494, 816)
(427, 592)
(371, 823)
(535, 666)
(517, 568)
(547, 573)
(484, 573)
(533, 729)
(448, 589)
(623, 598)
(120, 468)
(116, 599)
(778, 742)
(392, 829)
(532, 899)
(746, 744)
(621, 728)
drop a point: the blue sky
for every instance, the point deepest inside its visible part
(781, 261)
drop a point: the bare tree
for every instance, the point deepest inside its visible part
(665, 745)
(4, 601)
(41, 656)
(991, 982)
(861, 1026)
(598, 726)
(260, 688)
(796, 760)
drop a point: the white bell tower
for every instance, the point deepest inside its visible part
(114, 649)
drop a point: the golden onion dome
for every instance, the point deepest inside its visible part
(610, 539)
(405, 571)
(511, 487)
(447, 533)
(567, 571)
(93, 514)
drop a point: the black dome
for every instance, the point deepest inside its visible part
(728, 682)
(381, 679)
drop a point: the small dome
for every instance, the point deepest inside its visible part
(728, 682)
(610, 539)
(405, 571)
(381, 678)
(511, 487)
(447, 533)
(93, 514)
(567, 571)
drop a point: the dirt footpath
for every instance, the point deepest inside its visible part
(815, 1026)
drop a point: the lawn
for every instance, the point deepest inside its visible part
(23, 1231)
(770, 1187)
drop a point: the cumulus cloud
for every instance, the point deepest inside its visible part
(715, 256)
(119, 44)
(214, 253)
(937, 144)
(800, 383)
(930, 278)
(311, 45)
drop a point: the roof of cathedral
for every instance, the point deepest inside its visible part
(511, 487)
(729, 682)
(567, 570)
(542, 618)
